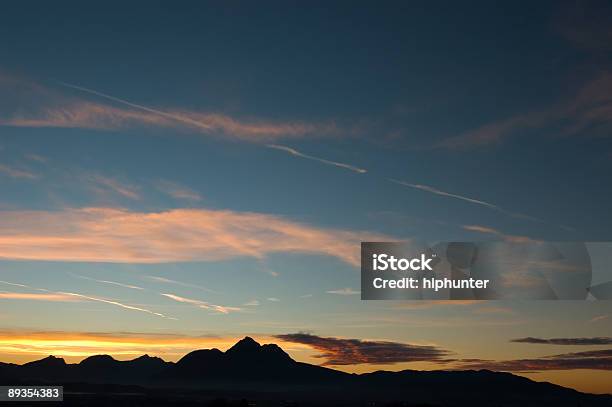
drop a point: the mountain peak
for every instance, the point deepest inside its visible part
(246, 344)
(97, 360)
(48, 361)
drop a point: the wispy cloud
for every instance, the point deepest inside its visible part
(58, 295)
(38, 297)
(177, 191)
(101, 183)
(344, 291)
(273, 299)
(589, 108)
(56, 109)
(599, 318)
(340, 351)
(16, 172)
(180, 235)
(497, 233)
(252, 303)
(164, 280)
(203, 304)
(597, 360)
(602, 340)
(296, 153)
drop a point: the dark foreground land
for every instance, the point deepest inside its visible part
(250, 375)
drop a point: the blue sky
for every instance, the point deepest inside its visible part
(164, 116)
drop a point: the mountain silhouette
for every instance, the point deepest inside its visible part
(249, 369)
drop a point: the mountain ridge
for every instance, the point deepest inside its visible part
(248, 367)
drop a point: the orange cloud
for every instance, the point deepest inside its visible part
(54, 109)
(102, 183)
(122, 236)
(497, 233)
(38, 297)
(590, 107)
(202, 304)
(177, 191)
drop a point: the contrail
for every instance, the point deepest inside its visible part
(133, 287)
(168, 281)
(14, 284)
(118, 304)
(86, 297)
(296, 153)
(436, 191)
(204, 126)
(202, 304)
(171, 116)
(443, 193)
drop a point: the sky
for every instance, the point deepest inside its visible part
(176, 176)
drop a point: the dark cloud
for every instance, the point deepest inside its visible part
(603, 340)
(596, 359)
(339, 351)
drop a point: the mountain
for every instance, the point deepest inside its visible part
(251, 370)
(247, 362)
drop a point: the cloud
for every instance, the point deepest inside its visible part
(177, 191)
(436, 191)
(344, 291)
(202, 304)
(604, 340)
(491, 231)
(133, 287)
(273, 299)
(102, 183)
(252, 303)
(164, 280)
(116, 303)
(51, 108)
(179, 235)
(80, 297)
(17, 173)
(38, 297)
(589, 109)
(296, 153)
(597, 360)
(339, 351)
(599, 318)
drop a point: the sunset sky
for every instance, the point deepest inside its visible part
(178, 176)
